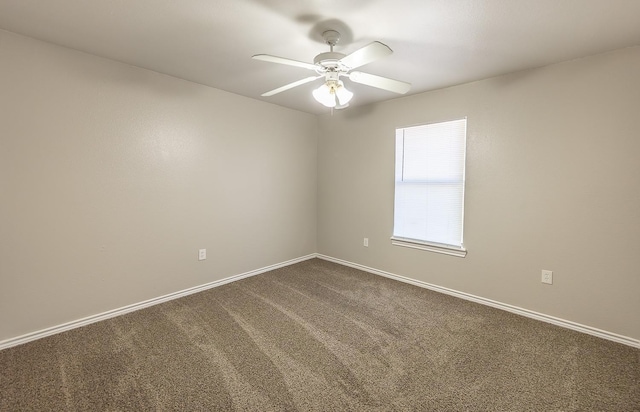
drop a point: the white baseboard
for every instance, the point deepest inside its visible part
(141, 305)
(499, 305)
(136, 306)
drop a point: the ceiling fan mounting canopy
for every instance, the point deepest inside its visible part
(331, 37)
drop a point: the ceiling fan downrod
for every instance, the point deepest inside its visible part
(329, 61)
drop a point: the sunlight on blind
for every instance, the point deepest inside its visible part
(429, 184)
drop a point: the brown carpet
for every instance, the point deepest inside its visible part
(320, 336)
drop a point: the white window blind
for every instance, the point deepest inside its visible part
(429, 183)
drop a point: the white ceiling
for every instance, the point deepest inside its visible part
(436, 43)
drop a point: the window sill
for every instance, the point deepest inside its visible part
(430, 247)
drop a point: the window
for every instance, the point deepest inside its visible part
(429, 187)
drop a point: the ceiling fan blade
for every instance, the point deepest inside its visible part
(291, 85)
(367, 54)
(380, 82)
(282, 60)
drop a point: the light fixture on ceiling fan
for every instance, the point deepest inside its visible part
(333, 93)
(333, 65)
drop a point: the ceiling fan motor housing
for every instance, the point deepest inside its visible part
(328, 60)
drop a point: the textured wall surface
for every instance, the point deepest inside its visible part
(552, 183)
(112, 177)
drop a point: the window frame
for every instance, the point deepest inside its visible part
(421, 244)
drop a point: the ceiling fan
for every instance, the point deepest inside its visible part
(333, 65)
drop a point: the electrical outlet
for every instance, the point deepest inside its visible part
(202, 254)
(547, 277)
(365, 243)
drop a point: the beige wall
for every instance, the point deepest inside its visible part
(112, 177)
(553, 182)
